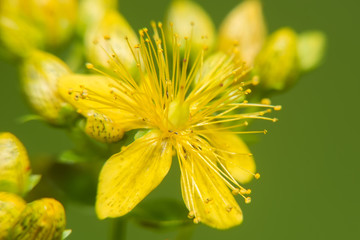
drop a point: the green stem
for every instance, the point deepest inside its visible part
(118, 229)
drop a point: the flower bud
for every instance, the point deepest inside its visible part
(40, 73)
(54, 19)
(244, 31)
(11, 207)
(107, 43)
(41, 219)
(311, 49)
(92, 11)
(18, 37)
(188, 19)
(277, 64)
(14, 165)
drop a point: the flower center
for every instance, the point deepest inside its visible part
(179, 113)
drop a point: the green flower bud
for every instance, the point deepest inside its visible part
(107, 43)
(40, 73)
(41, 219)
(311, 49)
(244, 31)
(187, 19)
(278, 64)
(11, 207)
(14, 165)
(92, 11)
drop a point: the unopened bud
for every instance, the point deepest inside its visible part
(54, 19)
(102, 128)
(40, 73)
(108, 44)
(14, 164)
(41, 219)
(243, 31)
(189, 20)
(11, 207)
(278, 64)
(92, 11)
(311, 49)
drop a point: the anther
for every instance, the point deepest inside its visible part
(107, 37)
(265, 131)
(257, 175)
(255, 80)
(191, 215)
(235, 191)
(228, 209)
(266, 101)
(277, 108)
(196, 220)
(275, 120)
(243, 191)
(208, 200)
(89, 66)
(248, 191)
(248, 200)
(248, 91)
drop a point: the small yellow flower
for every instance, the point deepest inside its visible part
(181, 114)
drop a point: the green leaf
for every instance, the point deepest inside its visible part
(311, 49)
(161, 214)
(66, 233)
(33, 180)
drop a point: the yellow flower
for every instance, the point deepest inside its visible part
(183, 107)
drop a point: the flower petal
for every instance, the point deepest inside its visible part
(89, 93)
(235, 154)
(129, 176)
(205, 192)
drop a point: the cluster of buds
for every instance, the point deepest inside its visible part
(40, 219)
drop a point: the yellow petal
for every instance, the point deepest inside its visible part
(89, 93)
(10, 208)
(129, 176)
(245, 28)
(235, 154)
(14, 164)
(206, 196)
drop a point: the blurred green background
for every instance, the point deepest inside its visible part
(309, 161)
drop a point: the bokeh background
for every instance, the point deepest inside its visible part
(309, 161)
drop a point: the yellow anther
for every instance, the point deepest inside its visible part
(160, 24)
(246, 123)
(228, 209)
(275, 120)
(265, 131)
(89, 66)
(245, 101)
(266, 101)
(243, 191)
(248, 200)
(277, 108)
(248, 191)
(196, 220)
(248, 91)
(257, 175)
(235, 191)
(208, 200)
(191, 215)
(107, 37)
(255, 80)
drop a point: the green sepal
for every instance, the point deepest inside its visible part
(66, 233)
(32, 181)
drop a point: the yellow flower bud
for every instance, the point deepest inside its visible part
(18, 37)
(244, 31)
(107, 43)
(40, 73)
(92, 11)
(41, 219)
(188, 19)
(54, 19)
(14, 165)
(277, 64)
(311, 49)
(11, 207)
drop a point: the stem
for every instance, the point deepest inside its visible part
(118, 229)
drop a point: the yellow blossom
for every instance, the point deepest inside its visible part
(184, 108)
